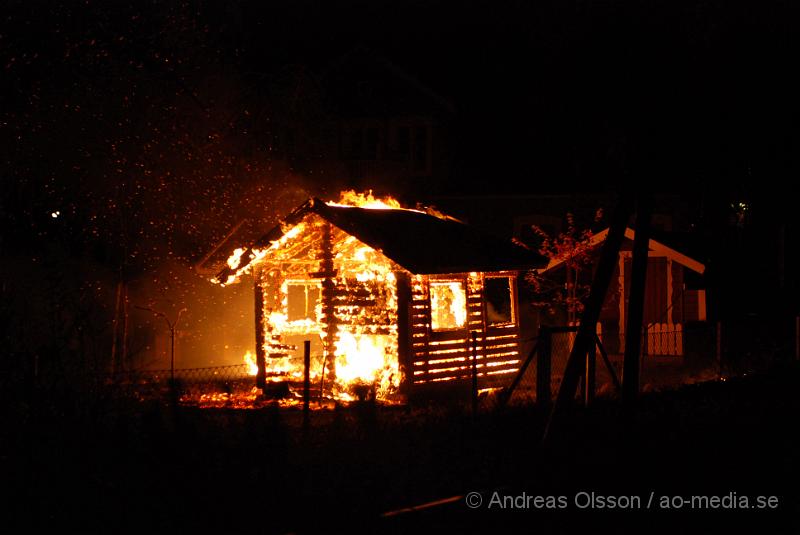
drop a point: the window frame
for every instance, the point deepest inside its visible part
(306, 284)
(511, 297)
(444, 281)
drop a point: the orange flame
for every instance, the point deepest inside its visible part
(448, 305)
(363, 349)
(366, 200)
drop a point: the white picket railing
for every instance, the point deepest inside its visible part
(664, 339)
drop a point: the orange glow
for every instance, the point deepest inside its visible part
(365, 344)
(448, 305)
(362, 351)
(236, 258)
(252, 366)
(365, 200)
(367, 359)
(281, 367)
(255, 256)
(323, 285)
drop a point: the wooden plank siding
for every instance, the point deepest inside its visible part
(419, 329)
(447, 355)
(501, 344)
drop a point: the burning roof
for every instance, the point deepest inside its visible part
(423, 243)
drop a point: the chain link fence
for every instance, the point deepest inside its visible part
(671, 357)
(525, 387)
(189, 383)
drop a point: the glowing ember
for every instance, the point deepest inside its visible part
(277, 369)
(236, 258)
(255, 256)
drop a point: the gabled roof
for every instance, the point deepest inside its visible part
(417, 241)
(653, 245)
(364, 83)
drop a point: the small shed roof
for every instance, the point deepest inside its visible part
(419, 242)
(653, 245)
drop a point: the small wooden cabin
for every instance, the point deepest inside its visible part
(390, 298)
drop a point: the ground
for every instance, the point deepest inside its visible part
(112, 465)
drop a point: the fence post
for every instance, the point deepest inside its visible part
(589, 381)
(797, 337)
(306, 379)
(474, 374)
(261, 353)
(543, 367)
(719, 347)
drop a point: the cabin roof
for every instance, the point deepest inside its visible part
(417, 241)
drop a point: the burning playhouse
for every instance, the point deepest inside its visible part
(395, 302)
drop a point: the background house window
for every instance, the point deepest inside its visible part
(302, 299)
(356, 143)
(499, 301)
(370, 144)
(420, 148)
(363, 143)
(403, 142)
(448, 305)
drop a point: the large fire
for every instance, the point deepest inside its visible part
(365, 200)
(315, 283)
(355, 351)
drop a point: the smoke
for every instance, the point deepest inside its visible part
(133, 144)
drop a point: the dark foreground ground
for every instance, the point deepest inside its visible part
(99, 464)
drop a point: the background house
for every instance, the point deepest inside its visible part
(362, 122)
(674, 297)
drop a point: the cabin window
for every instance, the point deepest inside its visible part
(301, 301)
(499, 301)
(448, 305)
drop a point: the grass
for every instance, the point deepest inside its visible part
(111, 464)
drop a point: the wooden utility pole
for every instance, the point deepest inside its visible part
(590, 378)
(719, 347)
(631, 367)
(797, 337)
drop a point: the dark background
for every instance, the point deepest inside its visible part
(135, 135)
(697, 97)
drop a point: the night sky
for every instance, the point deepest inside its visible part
(549, 95)
(570, 92)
